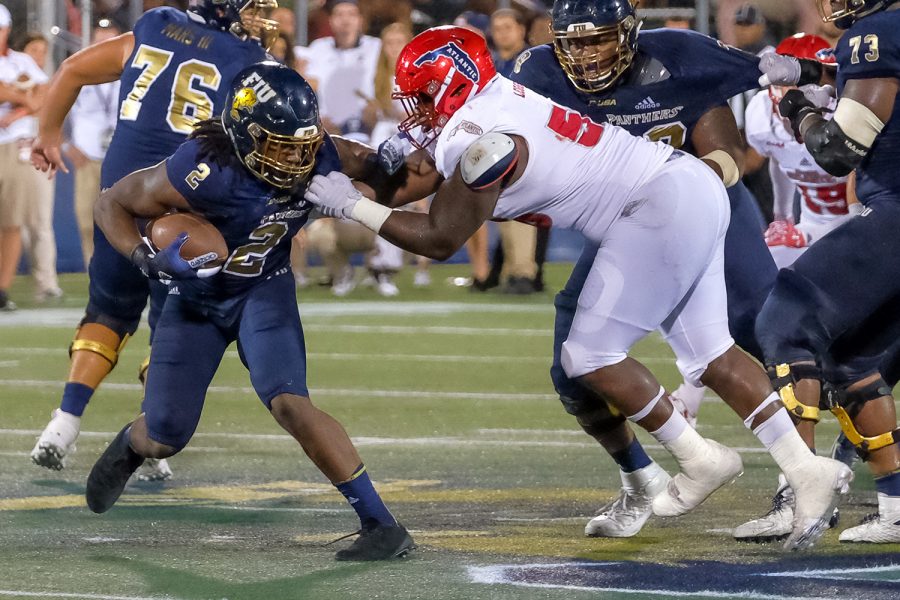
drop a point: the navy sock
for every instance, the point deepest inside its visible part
(631, 458)
(889, 485)
(75, 398)
(361, 494)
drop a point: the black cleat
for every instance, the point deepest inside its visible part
(377, 541)
(111, 472)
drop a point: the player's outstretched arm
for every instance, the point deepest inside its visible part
(100, 63)
(146, 193)
(717, 142)
(415, 180)
(838, 145)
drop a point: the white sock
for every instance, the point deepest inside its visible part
(671, 429)
(773, 428)
(789, 450)
(888, 506)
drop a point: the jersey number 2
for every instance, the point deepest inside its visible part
(187, 105)
(574, 126)
(248, 260)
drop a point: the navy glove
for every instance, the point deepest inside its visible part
(393, 151)
(167, 264)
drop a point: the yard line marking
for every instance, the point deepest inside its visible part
(431, 329)
(77, 595)
(834, 573)
(231, 389)
(496, 574)
(389, 441)
(9, 363)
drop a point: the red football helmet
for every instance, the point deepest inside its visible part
(802, 45)
(437, 72)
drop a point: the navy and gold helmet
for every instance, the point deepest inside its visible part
(844, 13)
(247, 19)
(272, 117)
(594, 40)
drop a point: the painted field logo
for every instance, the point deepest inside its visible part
(461, 59)
(873, 577)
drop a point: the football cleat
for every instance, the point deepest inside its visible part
(344, 282)
(57, 441)
(882, 527)
(817, 490)
(625, 516)
(844, 451)
(386, 286)
(422, 279)
(154, 469)
(699, 477)
(377, 541)
(111, 472)
(776, 524)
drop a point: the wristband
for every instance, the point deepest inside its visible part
(371, 214)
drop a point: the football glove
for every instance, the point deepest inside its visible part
(168, 264)
(393, 151)
(334, 195)
(778, 69)
(785, 233)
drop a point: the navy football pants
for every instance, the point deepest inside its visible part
(749, 276)
(189, 344)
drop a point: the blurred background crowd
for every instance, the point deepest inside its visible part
(347, 50)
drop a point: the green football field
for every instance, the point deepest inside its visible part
(447, 395)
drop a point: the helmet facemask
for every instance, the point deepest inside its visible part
(431, 108)
(595, 57)
(283, 160)
(256, 24)
(835, 10)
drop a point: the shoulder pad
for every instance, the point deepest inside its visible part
(488, 160)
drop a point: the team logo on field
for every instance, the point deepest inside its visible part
(461, 59)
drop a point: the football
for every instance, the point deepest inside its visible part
(203, 237)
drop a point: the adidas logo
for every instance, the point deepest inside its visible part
(804, 162)
(646, 104)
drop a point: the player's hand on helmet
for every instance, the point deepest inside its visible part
(168, 264)
(393, 151)
(778, 69)
(333, 194)
(819, 95)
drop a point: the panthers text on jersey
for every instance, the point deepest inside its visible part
(675, 78)
(823, 197)
(871, 49)
(177, 74)
(257, 220)
(580, 174)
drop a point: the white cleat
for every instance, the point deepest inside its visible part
(625, 516)
(422, 279)
(386, 286)
(686, 400)
(57, 441)
(154, 469)
(776, 524)
(817, 490)
(699, 477)
(882, 527)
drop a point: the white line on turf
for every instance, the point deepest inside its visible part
(496, 574)
(27, 594)
(231, 389)
(388, 441)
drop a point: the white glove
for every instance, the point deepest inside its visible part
(393, 151)
(820, 95)
(778, 69)
(334, 195)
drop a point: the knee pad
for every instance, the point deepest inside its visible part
(576, 360)
(601, 418)
(846, 404)
(784, 377)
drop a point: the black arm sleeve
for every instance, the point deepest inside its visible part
(832, 149)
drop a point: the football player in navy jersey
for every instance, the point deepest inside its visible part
(833, 315)
(246, 173)
(174, 69)
(665, 85)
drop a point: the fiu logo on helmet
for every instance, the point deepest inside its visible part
(464, 63)
(245, 99)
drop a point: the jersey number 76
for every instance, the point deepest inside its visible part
(187, 105)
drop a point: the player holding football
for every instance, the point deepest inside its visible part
(500, 150)
(246, 173)
(670, 86)
(174, 70)
(833, 314)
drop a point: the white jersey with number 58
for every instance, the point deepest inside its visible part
(580, 174)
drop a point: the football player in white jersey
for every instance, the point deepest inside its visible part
(823, 197)
(500, 150)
